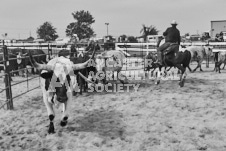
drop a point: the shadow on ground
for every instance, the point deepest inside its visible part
(105, 123)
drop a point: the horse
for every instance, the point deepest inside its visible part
(172, 57)
(152, 56)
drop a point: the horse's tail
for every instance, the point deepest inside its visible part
(187, 58)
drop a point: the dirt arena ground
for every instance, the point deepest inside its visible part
(160, 117)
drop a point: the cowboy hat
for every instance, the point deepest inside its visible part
(173, 22)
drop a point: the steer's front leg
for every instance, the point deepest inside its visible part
(51, 125)
(64, 119)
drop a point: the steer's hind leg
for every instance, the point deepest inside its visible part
(200, 63)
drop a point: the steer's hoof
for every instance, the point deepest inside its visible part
(51, 128)
(63, 122)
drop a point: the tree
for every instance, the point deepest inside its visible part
(82, 25)
(132, 39)
(47, 32)
(122, 38)
(151, 30)
(186, 34)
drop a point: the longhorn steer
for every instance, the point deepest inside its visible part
(80, 59)
(219, 58)
(199, 53)
(57, 81)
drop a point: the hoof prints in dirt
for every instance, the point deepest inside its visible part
(105, 123)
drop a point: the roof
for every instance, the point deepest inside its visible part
(218, 21)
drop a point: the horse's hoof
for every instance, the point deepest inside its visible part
(157, 82)
(181, 83)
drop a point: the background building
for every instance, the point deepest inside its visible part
(217, 27)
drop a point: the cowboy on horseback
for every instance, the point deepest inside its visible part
(172, 37)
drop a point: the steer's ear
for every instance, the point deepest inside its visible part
(47, 75)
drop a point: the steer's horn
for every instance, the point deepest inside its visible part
(38, 65)
(86, 79)
(85, 64)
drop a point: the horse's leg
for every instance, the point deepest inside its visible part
(158, 76)
(219, 69)
(165, 72)
(169, 69)
(183, 74)
(152, 72)
(146, 73)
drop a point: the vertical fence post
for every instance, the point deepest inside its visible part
(207, 61)
(48, 52)
(7, 79)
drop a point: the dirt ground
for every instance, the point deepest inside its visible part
(160, 117)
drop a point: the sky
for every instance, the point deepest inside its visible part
(21, 18)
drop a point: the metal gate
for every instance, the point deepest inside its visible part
(6, 86)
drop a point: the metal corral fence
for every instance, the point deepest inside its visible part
(7, 75)
(134, 53)
(6, 87)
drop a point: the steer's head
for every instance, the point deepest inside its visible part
(59, 75)
(208, 50)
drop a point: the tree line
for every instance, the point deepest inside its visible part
(82, 27)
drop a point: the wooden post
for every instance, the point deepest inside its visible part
(7, 79)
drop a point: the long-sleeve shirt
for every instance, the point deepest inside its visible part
(172, 34)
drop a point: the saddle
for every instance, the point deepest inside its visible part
(173, 48)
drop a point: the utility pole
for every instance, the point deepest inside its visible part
(107, 27)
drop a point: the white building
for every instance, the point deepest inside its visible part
(217, 27)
